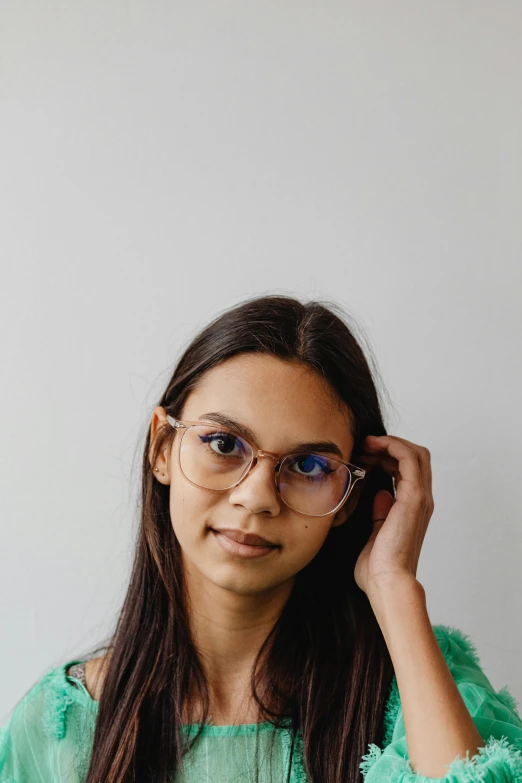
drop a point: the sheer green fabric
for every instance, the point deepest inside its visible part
(48, 737)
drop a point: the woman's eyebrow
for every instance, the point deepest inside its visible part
(320, 446)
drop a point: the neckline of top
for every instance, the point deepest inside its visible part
(208, 728)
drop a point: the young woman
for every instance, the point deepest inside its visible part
(274, 627)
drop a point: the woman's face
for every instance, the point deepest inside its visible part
(282, 403)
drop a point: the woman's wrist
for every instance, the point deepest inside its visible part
(395, 596)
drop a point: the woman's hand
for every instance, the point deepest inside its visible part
(393, 549)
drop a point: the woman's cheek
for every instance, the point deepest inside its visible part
(306, 543)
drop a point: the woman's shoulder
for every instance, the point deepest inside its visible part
(463, 658)
(91, 674)
(51, 724)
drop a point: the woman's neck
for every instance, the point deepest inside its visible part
(228, 630)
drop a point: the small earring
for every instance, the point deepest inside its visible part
(156, 469)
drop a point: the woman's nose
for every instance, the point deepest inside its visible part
(257, 491)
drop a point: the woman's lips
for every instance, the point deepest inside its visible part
(228, 540)
(242, 537)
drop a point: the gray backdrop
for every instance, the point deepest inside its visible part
(163, 160)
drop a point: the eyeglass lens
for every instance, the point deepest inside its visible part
(312, 484)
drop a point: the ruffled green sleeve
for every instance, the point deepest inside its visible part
(47, 736)
(495, 715)
(5, 773)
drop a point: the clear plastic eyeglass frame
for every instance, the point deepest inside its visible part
(356, 473)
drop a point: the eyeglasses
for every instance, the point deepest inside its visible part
(213, 457)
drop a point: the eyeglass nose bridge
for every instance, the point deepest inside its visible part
(260, 453)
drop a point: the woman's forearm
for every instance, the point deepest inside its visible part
(438, 724)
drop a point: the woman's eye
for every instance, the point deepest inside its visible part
(223, 444)
(311, 465)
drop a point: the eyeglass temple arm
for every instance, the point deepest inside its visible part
(175, 423)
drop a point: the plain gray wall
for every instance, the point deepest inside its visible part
(164, 160)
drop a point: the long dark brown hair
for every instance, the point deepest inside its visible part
(325, 668)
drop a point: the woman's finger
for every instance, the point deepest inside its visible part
(409, 473)
(424, 457)
(369, 461)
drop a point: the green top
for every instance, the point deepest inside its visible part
(49, 735)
